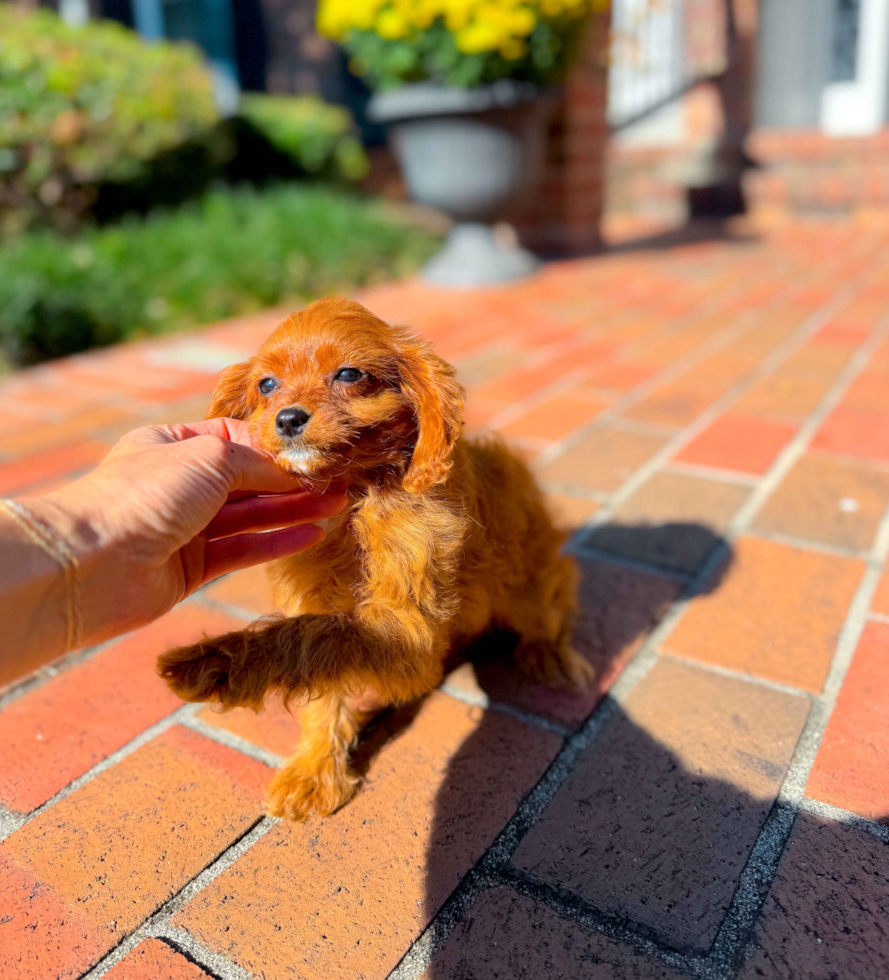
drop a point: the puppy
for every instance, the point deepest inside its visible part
(445, 539)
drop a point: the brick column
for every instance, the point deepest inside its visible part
(566, 211)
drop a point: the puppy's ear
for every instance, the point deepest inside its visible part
(232, 397)
(428, 384)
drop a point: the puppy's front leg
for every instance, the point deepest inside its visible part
(239, 669)
(317, 779)
(299, 658)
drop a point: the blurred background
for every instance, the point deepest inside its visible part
(168, 163)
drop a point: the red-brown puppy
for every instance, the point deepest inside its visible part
(445, 539)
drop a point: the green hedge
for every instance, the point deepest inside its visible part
(94, 122)
(273, 138)
(81, 106)
(318, 137)
(230, 252)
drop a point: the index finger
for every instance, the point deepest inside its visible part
(232, 430)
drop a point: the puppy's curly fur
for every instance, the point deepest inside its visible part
(444, 539)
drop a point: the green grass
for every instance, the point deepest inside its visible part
(231, 252)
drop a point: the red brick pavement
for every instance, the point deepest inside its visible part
(713, 419)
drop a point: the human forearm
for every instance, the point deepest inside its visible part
(32, 602)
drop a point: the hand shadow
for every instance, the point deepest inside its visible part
(624, 861)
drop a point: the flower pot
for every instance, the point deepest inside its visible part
(470, 153)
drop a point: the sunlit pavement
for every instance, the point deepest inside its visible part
(713, 418)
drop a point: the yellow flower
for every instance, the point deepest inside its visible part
(458, 13)
(477, 37)
(392, 24)
(477, 25)
(424, 12)
(522, 21)
(333, 18)
(364, 13)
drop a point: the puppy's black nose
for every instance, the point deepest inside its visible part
(291, 421)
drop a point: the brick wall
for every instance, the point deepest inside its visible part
(565, 214)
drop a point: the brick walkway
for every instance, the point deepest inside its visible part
(717, 415)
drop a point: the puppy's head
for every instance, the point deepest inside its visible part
(337, 395)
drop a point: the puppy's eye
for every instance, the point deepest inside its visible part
(267, 385)
(349, 375)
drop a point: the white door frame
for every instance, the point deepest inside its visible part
(859, 107)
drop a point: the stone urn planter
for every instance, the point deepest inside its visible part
(470, 153)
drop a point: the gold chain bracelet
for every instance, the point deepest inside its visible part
(49, 541)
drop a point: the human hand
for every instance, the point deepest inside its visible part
(169, 509)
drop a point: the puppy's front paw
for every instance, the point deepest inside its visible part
(197, 673)
(298, 792)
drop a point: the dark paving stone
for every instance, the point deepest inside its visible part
(506, 936)
(658, 818)
(826, 915)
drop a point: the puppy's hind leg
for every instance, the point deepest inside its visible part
(553, 662)
(544, 651)
(317, 779)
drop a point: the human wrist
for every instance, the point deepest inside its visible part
(72, 520)
(33, 597)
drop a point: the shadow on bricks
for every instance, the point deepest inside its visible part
(626, 858)
(629, 861)
(629, 852)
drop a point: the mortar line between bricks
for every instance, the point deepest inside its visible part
(232, 741)
(11, 822)
(807, 544)
(643, 427)
(481, 700)
(625, 561)
(855, 820)
(227, 607)
(741, 676)
(880, 465)
(742, 324)
(735, 478)
(157, 924)
(216, 964)
(584, 493)
(729, 949)
(878, 617)
(572, 907)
